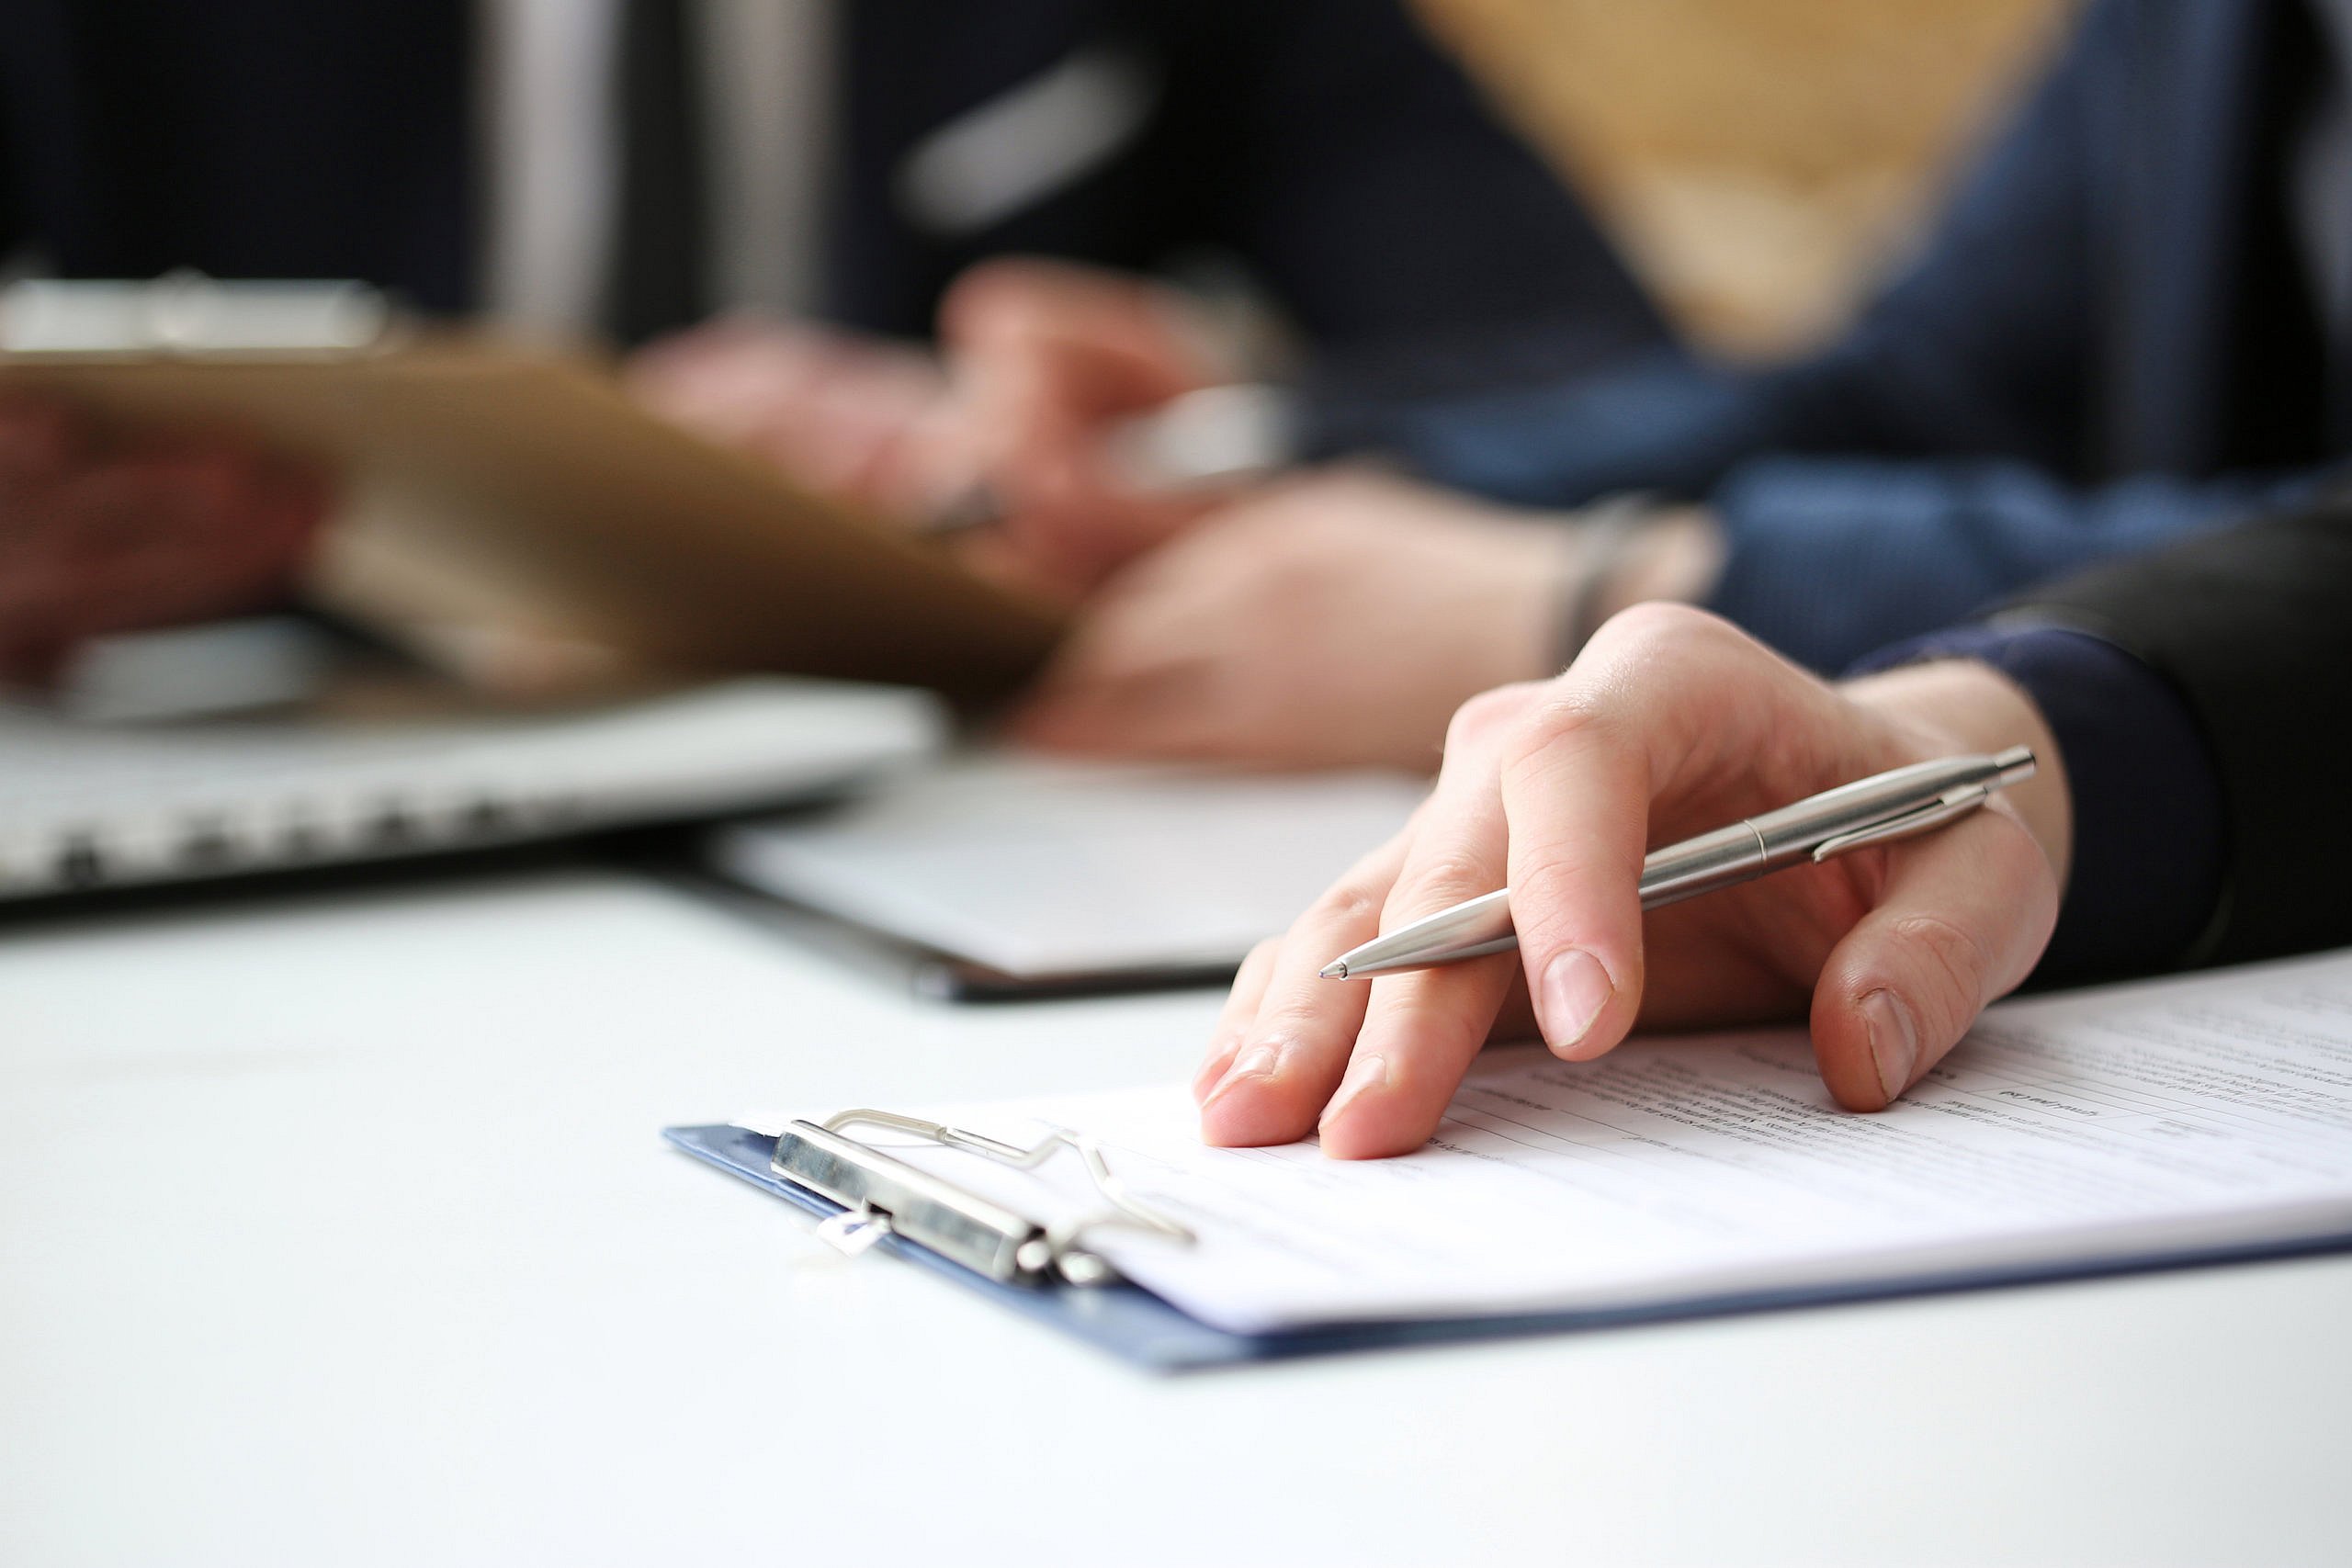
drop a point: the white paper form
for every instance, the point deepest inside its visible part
(1037, 867)
(2136, 1123)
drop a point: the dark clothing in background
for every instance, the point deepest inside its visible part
(2201, 696)
(2253, 629)
(1361, 177)
(1324, 143)
(242, 138)
(2109, 341)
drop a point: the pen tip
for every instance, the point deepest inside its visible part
(1335, 970)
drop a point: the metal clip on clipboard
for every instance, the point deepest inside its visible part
(882, 1196)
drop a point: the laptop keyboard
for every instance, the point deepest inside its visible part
(84, 806)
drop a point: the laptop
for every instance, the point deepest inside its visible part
(274, 746)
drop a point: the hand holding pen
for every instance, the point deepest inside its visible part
(1928, 905)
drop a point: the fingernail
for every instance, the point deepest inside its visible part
(1363, 1073)
(1255, 1063)
(1575, 988)
(1214, 1067)
(1894, 1041)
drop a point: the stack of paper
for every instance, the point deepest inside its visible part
(2159, 1124)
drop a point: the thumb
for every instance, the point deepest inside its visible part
(1961, 917)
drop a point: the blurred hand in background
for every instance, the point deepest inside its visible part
(100, 536)
(1054, 358)
(858, 419)
(1334, 619)
(1339, 617)
(1042, 361)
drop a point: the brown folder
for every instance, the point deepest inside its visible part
(487, 484)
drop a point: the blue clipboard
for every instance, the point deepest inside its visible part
(1135, 1326)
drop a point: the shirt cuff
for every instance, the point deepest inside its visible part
(2149, 836)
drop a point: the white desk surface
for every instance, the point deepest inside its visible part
(335, 1229)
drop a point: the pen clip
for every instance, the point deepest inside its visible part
(1954, 803)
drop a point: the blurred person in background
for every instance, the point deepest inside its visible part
(2133, 321)
(627, 167)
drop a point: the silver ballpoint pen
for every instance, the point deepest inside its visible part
(1874, 810)
(1195, 441)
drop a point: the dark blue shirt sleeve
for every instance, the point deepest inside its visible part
(2149, 834)
(1828, 559)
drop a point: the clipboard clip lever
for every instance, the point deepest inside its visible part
(854, 1232)
(884, 1196)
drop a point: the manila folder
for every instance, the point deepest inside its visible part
(520, 489)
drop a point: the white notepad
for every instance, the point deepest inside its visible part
(1035, 867)
(2135, 1125)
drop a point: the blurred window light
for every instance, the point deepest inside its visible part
(186, 313)
(1014, 151)
(549, 120)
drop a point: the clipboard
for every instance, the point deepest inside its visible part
(866, 1201)
(492, 483)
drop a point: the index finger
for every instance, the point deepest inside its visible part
(1655, 688)
(1575, 795)
(1422, 1028)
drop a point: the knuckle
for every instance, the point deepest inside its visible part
(1487, 716)
(1952, 960)
(1661, 623)
(1286, 1022)
(1345, 903)
(1445, 878)
(1565, 715)
(1260, 961)
(1657, 641)
(1541, 894)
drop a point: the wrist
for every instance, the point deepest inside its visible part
(1633, 549)
(1960, 705)
(1677, 556)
